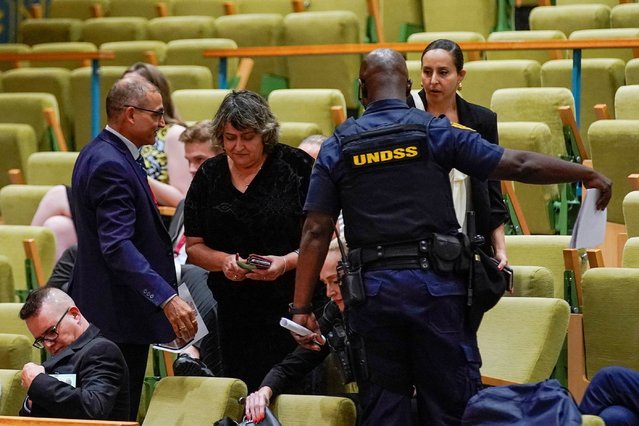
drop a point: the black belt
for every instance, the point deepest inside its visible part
(394, 256)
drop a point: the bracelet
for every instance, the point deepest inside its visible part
(299, 310)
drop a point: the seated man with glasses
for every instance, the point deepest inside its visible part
(85, 377)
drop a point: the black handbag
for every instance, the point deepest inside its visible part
(269, 420)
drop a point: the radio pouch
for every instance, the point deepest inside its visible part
(445, 252)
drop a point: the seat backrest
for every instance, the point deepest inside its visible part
(17, 143)
(535, 104)
(540, 56)
(521, 337)
(624, 15)
(132, 51)
(27, 108)
(570, 18)
(182, 77)
(400, 17)
(534, 199)
(169, 28)
(424, 38)
(12, 48)
(308, 410)
(614, 145)
(631, 253)
(632, 71)
(358, 7)
(610, 318)
(78, 46)
(61, 30)
(627, 102)
(10, 323)
(191, 52)
(477, 16)
(600, 79)
(7, 293)
(307, 105)
(13, 393)
(630, 207)
(198, 104)
(56, 81)
(212, 8)
(293, 133)
(532, 281)
(50, 168)
(282, 7)
(484, 77)
(625, 54)
(323, 72)
(19, 203)
(182, 400)
(256, 29)
(142, 8)
(104, 30)
(15, 351)
(542, 250)
(78, 9)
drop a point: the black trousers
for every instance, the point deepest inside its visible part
(135, 357)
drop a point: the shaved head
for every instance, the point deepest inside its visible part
(384, 75)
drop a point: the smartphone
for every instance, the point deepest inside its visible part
(258, 262)
(245, 265)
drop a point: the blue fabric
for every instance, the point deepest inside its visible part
(613, 394)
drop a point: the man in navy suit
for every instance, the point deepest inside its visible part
(124, 277)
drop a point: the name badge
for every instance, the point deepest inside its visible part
(69, 379)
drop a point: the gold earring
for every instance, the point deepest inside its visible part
(459, 86)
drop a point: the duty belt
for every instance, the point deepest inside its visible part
(394, 256)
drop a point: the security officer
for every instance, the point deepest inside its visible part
(388, 173)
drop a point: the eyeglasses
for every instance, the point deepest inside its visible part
(50, 335)
(158, 113)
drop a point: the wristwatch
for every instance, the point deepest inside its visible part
(299, 310)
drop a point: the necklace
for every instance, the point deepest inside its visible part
(244, 183)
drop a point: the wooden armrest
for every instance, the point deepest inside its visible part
(494, 381)
(166, 210)
(96, 10)
(150, 57)
(572, 263)
(373, 10)
(634, 181)
(229, 8)
(45, 421)
(16, 177)
(162, 9)
(507, 187)
(35, 11)
(168, 363)
(595, 258)
(577, 381)
(32, 253)
(53, 122)
(568, 119)
(338, 114)
(601, 111)
(244, 69)
(298, 5)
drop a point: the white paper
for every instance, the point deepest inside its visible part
(69, 379)
(590, 228)
(178, 345)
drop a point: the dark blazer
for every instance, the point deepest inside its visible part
(124, 270)
(102, 382)
(488, 202)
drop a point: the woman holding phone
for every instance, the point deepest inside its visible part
(243, 220)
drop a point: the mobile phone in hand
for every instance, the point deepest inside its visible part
(258, 262)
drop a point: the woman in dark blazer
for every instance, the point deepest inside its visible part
(442, 75)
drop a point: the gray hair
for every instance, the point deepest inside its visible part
(246, 110)
(128, 91)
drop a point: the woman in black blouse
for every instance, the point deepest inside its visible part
(245, 201)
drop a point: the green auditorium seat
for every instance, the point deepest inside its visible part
(212, 8)
(532, 281)
(147, 9)
(13, 393)
(477, 16)
(625, 15)
(107, 29)
(15, 351)
(632, 71)
(570, 18)
(198, 104)
(50, 168)
(630, 206)
(19, 203)
(12, 48)
(627, 102)
(282, 7)
(7, 293)
(78, 46)
(187, 76)
(17, 143)
(400, 18)
(358, 7)
(28, 108)
(609, 3)
(631, 250)
(310, 410)
(35, 31)
(77, 9)
(424, 38)
(607, 34)
(10, 323)
(169, 28)
(191, 52)
(130, 52)
(540, 56)
(293, 133)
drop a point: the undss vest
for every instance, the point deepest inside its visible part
(393, 190)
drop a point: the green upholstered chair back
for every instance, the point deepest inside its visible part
(534, 199)
(570, 18)
(625, 54)
(12, 48)
(77, 9)
(256, 29)
(307, 105)
(34, 31)
(424, 39)
(15, 351)
(624, 15)
(535, 104)
(11, 238)
(191, 52)
(10, 323)
(19, 203)
(323, 72)
(212, 8)
(56, 81)
(484, 77)
(540, 56)
(169, 28)
(7, 293)
(142, 8)
(610, 318)
(78, 46)
(13, 393)
(311, 410)
(631, 253)
(187, 76)
(193, 401)
(81, 88)
(630, 206)
(415, 74)
(541, 250)
(104, 30)
(293, 133)
(632, 72)
(609, 3)
(358, 7)
(478, 16)
(399, 16)
(599, 77)
(132, 51)
(50, 168)
(27, 108)
(532, 281)
(521, 337)
(282, 7)
(614, 145)
(198, 104)
(17, 143)
(627, 102)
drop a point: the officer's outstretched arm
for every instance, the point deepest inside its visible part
(316, 236)
(531, 167)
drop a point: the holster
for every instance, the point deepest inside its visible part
(351, 282)
(448, 253)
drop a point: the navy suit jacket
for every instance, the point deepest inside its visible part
(102, 382)
(124, 268)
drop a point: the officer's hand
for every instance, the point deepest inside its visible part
(256, 404)
(311, 341)
(603, 184)
(500, 255)
(182, 318)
